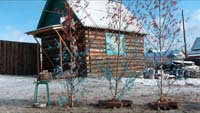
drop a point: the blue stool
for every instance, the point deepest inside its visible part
(36, 91)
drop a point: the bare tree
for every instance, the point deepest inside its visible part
(160, 20)
(74, 52)
(120, 50)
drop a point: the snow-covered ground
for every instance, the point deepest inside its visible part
(16, 93)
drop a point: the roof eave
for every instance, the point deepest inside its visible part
(128, 31)
(44, 29)
(194, 55)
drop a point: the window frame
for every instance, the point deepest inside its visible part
(122, 44)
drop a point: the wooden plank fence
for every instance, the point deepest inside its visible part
(18, 58)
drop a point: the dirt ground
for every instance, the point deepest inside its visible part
(16, 96)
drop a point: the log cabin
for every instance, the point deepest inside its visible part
(103, 41)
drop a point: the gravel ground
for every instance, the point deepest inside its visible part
(16, 96)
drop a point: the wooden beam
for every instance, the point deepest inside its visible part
(63, 42)
(184, 36)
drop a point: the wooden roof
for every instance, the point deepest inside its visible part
(40, 31)
(94, 16)
(196, 45)
(51, 13)
(195, 51)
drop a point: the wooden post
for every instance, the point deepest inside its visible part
(61, 64)
(185, 44)
(41, 63)
(89, 49)
(38, 58)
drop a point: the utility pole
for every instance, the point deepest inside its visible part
(185, 44)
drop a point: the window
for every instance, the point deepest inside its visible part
(112, 42)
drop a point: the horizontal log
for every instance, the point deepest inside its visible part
(139, 47)
(114, 62)
(111, 31)
(128, 51)
(134, 37)
(95, 41)
(97, 44)
(133, 53)
(97, 33)
(113, 71)
(93, 32)
(114, 65)
(96, 37)
(101, 53)
(127, 74)
(102, 45)
(97, 50)
(121, 63)
(103, 57)
(135, 44)
(103, 34)
(129, 55)
(96, 54)
(104, 40)
(103, 37)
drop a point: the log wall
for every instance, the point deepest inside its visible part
(97, 60)
(50, 45)
(18, 58)
(94, 44)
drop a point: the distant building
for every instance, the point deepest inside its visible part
(176, 55)
(170, 54)
(194, 55)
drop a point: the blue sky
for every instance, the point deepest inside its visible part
(20, 16)
(192, 10)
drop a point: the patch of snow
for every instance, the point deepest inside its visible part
(179, 82)
(149, 82)
(193, 82)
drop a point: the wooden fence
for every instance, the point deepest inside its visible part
(18, 58)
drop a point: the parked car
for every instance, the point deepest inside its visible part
(187, 68)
